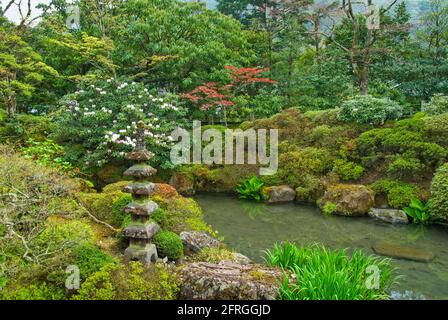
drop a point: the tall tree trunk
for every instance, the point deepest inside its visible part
(224, 110)
(364, 86)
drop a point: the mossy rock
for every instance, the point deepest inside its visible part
(348, 200)
(101, 205)
(109, 174)
(115, 187)
(183, 182)
(222, 179)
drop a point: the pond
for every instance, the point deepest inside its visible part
(251, 228)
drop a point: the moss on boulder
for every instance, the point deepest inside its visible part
(349, 200)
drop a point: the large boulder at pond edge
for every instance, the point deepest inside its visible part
(195, 241)
(277, 194)
(183, 183)
(349, 200)
(389, 215)
(229, 281)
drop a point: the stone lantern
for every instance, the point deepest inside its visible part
(141, 230)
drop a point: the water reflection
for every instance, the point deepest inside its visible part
(251, 228)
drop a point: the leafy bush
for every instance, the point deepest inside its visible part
(101, 117)
(264, 104)
(323, 274)
(72, 234)
(91, 259)
(405, 146)
(402, 167)
(181, 214)
(108, 204)
(311, 190)
(47, 153)
(29, 194)
(398, 194)
(133, 282)
(250, 189)
(118, 206)
(437, 105)
(169, 245)
(329, 208)
(436, 128)
(438, 204)
(347, 170)
(299, 165)
(327, 117)
(22, 127)
(418, 211)
(159, 216)
(41, 291)
(370, 110)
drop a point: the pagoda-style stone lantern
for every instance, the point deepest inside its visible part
(141, 230)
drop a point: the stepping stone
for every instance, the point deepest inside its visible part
(140, 171)
(141, 209)
(140, 189)
(389, 215)
(195, 241)
(402, 252)
(139, 231)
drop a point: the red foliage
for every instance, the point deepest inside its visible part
(248, 75)
(211, 94)
(165, 191)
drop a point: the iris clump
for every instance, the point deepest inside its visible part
(318, 273)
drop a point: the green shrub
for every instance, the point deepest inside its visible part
(250, 189)
(298, 166)
(416, 123)
(91, 259)
(73, 233)
(159, 216)
(347, 170)
(402, 167)
(36, 232)
(324, 117)
(105, 205)
(404, 147)
(133, 282)
(438, 204)
(169, 245)
(437, 105)
(370, 110)
(329, 208)
(311, 190)
(22, 127)
(118, 206)
(182, 214)
(41, 291)
(398, 194)
(47, 153)
(436, 128)
(322, 274)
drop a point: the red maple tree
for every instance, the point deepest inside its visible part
(244, 76)
(212, 94)
(209, 95)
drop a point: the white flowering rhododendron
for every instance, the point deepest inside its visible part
(102, 118)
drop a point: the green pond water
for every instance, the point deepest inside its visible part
(251, 228)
